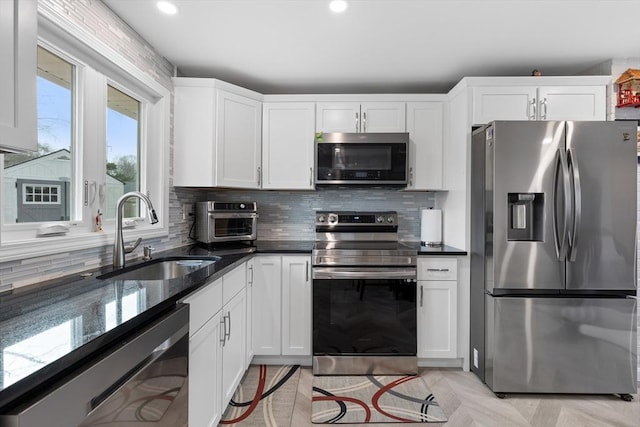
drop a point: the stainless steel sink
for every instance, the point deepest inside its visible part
(162, 269)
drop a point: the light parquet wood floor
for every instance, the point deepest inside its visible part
(468, 402)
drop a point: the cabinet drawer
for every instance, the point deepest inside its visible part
(233, 282)
(437, 269)
(203, 305)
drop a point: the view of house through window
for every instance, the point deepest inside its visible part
(123, 151)
(38, 186)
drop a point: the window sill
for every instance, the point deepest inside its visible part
(43, 246)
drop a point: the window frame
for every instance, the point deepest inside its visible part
(97, 65)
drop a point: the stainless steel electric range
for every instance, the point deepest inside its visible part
(364, 296)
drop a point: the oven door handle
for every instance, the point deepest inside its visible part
(319, 273)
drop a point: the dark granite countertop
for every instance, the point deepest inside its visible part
(49, 328)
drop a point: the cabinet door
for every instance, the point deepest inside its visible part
(287, 145)
(249, 311)
(338, 117)
(437, 319)
(383, 117)
(424, 124)
(503, 103)
(267, 303)
(205, 370)
(296, 305)
(239, 124)
(18, 50)
(234, 347)
(572, 103)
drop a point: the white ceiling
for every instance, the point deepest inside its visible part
(383, 46)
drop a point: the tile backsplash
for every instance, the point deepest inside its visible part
(289, 215)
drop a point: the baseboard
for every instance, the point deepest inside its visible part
(282, 360)
(440, 363)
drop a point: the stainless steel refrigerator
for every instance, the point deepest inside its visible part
(553, 250)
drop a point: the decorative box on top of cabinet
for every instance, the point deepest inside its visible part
(437, 307)
(218, 128)
(18, 21)
(535, 98)
(360, 117)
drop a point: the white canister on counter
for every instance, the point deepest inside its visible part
(431, 227)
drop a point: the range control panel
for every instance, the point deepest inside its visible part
(354, 219)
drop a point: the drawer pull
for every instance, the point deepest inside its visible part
(437, 269)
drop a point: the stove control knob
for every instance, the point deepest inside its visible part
(333, 218)
(390, 219)
(321, 218)
(379, 220)
(242, 206)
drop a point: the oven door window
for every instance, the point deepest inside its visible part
(231, 227)
(364, 317)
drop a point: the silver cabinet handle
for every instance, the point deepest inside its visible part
(259, 176)
(357, 123)
(438, 269)
(227, 334)
(531, 109)
(543, 113)
(364, 122)
(251, 279)
(306, 271)
(223, 329)
(310, 177)
(421, 295)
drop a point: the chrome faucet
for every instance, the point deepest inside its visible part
(118, 244)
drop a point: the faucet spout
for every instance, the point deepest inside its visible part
(118, 243)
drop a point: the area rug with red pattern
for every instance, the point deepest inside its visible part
(373, 399)
(265, 397)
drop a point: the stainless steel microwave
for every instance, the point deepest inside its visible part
(225, 221)
(362, 158)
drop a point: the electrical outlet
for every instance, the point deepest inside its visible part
(475, 358)
(186, 210)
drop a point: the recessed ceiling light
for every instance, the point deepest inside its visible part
(166, 7)
(338, 6)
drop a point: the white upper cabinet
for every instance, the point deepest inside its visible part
(287, 145)
(217, 131)
(360, 117)
(18, 47)
(562, 102)
(425, 124)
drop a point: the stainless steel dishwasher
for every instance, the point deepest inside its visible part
(143, 381)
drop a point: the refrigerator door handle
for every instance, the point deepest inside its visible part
(577, 204)
(561, 241)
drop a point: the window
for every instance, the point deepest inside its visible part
(25, 175)
(123, 151)
(103, 130)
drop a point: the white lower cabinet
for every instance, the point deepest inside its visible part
(233, 347)
(437, 307)
(205, 381)
(217, 345)
(296, 305)
(282, 305)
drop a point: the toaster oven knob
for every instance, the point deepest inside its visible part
(242, 206)
(390, 219)
(333, 218)
(321, 218)
(379, 220)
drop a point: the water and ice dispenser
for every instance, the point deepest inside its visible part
(525, 216)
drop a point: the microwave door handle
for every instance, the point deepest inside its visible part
(364, 122)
